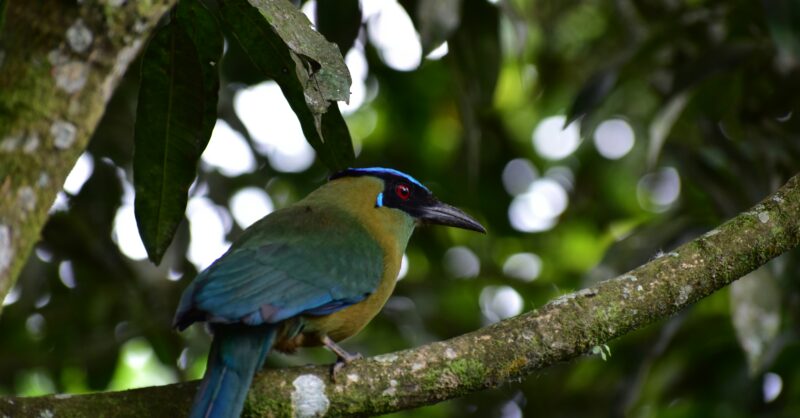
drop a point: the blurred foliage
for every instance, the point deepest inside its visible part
(711, 91)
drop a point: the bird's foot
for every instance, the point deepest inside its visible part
(343, 357)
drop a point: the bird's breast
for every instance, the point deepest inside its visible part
(349, 321)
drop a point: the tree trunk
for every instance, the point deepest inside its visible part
(59, 64)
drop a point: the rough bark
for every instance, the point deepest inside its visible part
(565, 328)
(59, 63)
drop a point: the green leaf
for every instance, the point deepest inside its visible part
(202, 27)
(169, 126)
(310, 70)
(592, 94)
(339, 21)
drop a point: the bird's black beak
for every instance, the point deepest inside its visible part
(440, 213)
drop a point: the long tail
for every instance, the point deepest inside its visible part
(236, 354)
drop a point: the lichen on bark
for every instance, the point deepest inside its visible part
(61, 62)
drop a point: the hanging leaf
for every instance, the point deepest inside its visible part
(169, 127)
(592, 94)
(279, 40)
(339, 21)
(203, 29)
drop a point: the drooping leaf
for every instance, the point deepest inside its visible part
(328, 78)
(592, 94)
(310, 70)
(202, 27)
(169, 126)
(339, 21)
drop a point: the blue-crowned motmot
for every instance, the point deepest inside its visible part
(311, 274)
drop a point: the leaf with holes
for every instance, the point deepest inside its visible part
(169, 127)
(279, 40)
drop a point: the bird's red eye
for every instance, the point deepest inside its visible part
(402, 191)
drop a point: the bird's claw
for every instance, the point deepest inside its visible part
(341, 362)
(342, 356)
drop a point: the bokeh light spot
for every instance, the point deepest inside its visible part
(658, 191)
(518, 175)
(12, 296)
(274, 127)
(392, 32)
(772, 387)
(538, 209)
(403, 267)
(614, 138)
(461, 262)
(126, 233)
(66, 274)
(228, 151)
(357, 64)
(523, 266)
(500, 302)
(80, 172)
(439, 52)
(553, 141)
(249, 205)
(207, 228)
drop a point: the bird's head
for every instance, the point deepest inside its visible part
(405, 193)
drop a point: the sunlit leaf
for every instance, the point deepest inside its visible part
(310, 70)
(169, 126)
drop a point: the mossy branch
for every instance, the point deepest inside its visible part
(565, 328)
(59, 63)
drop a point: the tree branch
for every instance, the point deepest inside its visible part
(59, 63)
(565, 328)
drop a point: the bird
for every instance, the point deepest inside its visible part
(311, 274)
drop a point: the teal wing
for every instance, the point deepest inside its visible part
(297, 262)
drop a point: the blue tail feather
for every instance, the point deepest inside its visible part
(236, 354)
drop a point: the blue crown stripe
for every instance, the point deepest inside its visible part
(382, 170)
